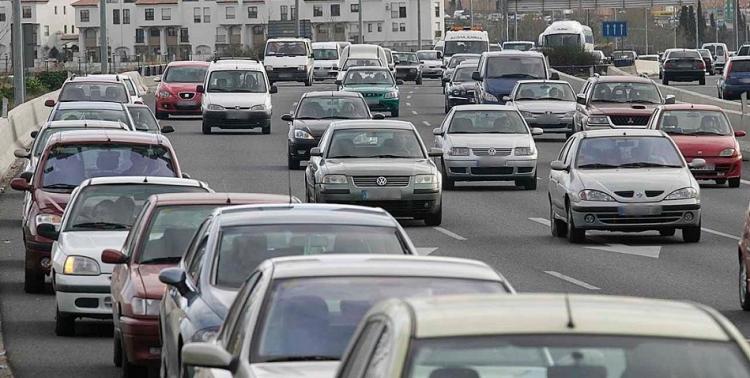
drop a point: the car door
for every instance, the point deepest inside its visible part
(582, 110)
(313, 166)
(557, 179)
(479, 84)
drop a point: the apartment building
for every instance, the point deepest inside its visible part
(185, 29)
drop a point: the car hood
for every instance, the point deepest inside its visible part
(51, 202)
(541, 106)
(305, 369)
(177, 87)
(703, 145)
(499, 87)
(325, 63)
(149, 273)
(378, 167)
(623, 109)
(369, 88)
(92, 243)
(316, 127)
(462, 85)
(489, 140)
(230, 100)
(635, 179)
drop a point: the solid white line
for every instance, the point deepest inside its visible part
(426, 123)
(571, 280)
(414, 112)
(449, 233)
(746, 182)
(719, 233)
(541, 221)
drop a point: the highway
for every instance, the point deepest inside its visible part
(709, 89)
(498, 224)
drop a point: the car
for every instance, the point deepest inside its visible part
(708, 60)
(518, 45)
(744, 50)
(547, 104)
(91, 88)
(69, 158)
(297, 314)
(361, 55)
(432, 63)
(720, 54)
(623, 58)
(498, 73)
(543, 335)
(486, 143)
(648, 57)
(326, 65)
(628, 180)
(175, 93)
(376, 84)
(376, 163)
(408, 67)
(91, 111)
(232, 242)
(101, 212)
(743, 252)
(459, 88)
(236, 95)
(136, 97)
(599, 57)
(617, 102)
(314, 113)
(289, 59)
(157, 241)
(735, 79)
(454, 61)
(144, 120)
(704, 132)
(390, 61)
(683, 65)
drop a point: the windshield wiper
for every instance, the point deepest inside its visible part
(514, 75)
(526, 98)
(162, 260)
(553, 98)
(705, 133)
(390, 156)
(335, 117)
(306, 118)
(644, 164)
(611, 101)
(102, 225)
(344, 157)
(60, 186)
(639, 101)
(597, 166)
(303, 358)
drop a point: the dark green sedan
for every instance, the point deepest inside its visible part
(377, 86)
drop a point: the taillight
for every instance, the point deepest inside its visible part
(668, 65)
(728, 67)
(701, 65)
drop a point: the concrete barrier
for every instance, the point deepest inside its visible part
(647, 67)
(16, 129)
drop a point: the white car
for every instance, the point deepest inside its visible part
(98, 217)
(289, 59)
(623, 180)
(136, 97)
(487, 143)
(326, 65)
(432, 63)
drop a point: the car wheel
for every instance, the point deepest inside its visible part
(448, 182)
(435, 219)
(734, 182)
(117, 355)
(744, 295)
(721, 181)
(266, 127)
(161, 115)
(206, 128)
(556, 226)
(292, 163)
(64, 324)
(418, 81)
(667, 232)
(691, 234)
(33, 282)
(702, 81)
(665, 81)
(394, 113)
(128, 369)
(575, 234)
(527, 183)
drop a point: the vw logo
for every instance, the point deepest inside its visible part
(237, 108)
(491, 152)
(381, 181)
(630, 121)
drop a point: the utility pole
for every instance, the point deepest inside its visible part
(645, 16)
(697, 28)
(471, 12)
(361, 24)
(103, 51)
(19, 85)
(297, 23)
(419, 24)
(736, 24)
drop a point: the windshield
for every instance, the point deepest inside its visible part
(237, 81)
(313, 318)
(542, 356)
(466, 47)
(628, 152)
(94, 91)
(115, 207)
(520, 46)
(711, 48)
(375, 143)
(626, 92)
(545, 91)
(243, 248)
(407, 58)
(456, 60)
(143, 119)
(463, 74)
(332, 108)
(326, 54)
(739, 66)
(487, 122)
(623, 55)
(523, 67)
(694, 122)
(562, 40)
(427, 55)
(184, 74)
(68, 165)
(288, 48)
(368, 77)
(361, 62)
(90, 115)
(170, 231)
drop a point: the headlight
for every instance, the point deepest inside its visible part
(523, 151)
(302, 134)
(164, 94)
(258, 107)
(302, 68)
(489, 97)
(269, 68)
(460, 151)
(146, 307)
(595, 195)
(53, 219)
(425, 179)
(527, 114)
(598, 120)
(391, 94)
(457, 92)
(215, 107)
(205, 334)
(684, 193)
(334, 179)
(727, 152)
(81, 266)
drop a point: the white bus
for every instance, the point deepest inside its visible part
(465, 42)
(567, 33)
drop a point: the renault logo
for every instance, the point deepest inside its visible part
(381, 181)
(491, 152)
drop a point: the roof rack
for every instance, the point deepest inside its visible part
(218, 58)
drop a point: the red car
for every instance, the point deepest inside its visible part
(176, 93)
(71, 157)
(157, 241)
(703, 131)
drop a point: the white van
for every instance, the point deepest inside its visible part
(289, 59)
(326, 65)
(236, 95)
(720, 54)
(361, 55)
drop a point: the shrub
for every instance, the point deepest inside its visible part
(52, 80)
(35, 86)
(569, 56)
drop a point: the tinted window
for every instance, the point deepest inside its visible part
(91, 115)
(487, 122)
(407, 58)
(428, 55)
(143, 119)
(519, 67)
(332, 108)
(373, 143)
(131, 88)
(682, 54)
(242, 81)
(361, 62)
(626, 92)
(694, 122)
(170, 231)
(559, 40)
(326, 54)
(94, 91)
(739, 66)
(518, 46)
(180, 74)
(365, 77)
(627, 152)
(291, 48)
(463, 74)
(456, 60)
(545, 91)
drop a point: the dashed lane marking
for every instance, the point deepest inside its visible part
(540, 221)
(414, 112)
(408, 97)
(426, 251)
(426, 123)
(571, 280)
(408, 104)
(449, 233)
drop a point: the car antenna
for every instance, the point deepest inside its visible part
(229, 200)
(569, 312)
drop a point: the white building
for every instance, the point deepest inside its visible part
(183, 29)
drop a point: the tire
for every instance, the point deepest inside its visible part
(33, 282)
(691, 234)
(527, 183)
(394, 113)
(448, 182)
(418, 81)
(556, 227)
(117, 348)
(667, 232)
(721, 181)
(742, 286)
(161, 115)
(575, 234)
(129, 370)
(292, 163)
(206, 128)
(64, 324)
(702, 81)
(266, 128)
(665, 81)
(734, 182)
(434, 220)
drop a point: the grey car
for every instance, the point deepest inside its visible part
(623, 180)
(547, 104)
(376, 163)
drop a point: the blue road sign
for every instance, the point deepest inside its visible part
(614, 29)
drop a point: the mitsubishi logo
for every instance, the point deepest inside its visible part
(381, 181)
(630, 121)
(491, 152)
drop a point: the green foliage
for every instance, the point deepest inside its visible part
(569, 56)
(52, 80)
(35, 86)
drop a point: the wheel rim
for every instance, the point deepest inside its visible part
(743, 282)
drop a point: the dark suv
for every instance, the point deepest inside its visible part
(498, 73)
(735, 79)
(683, 65)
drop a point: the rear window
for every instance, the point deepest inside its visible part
(690, 54)
(94, 91)
(740, 66)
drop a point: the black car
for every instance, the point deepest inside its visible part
(459, 89)
(623, 58)
(408, 67)
(312, 116)
(683, 65)
(708, 60)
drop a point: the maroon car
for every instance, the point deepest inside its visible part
(617, 101)
(157, 241)
(69, 158)
(176, 93)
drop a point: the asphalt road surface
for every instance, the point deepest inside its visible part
(499, 224)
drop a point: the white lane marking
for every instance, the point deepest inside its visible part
(652, 251)
(449, 233)
(410, 92)
(408, 104)
(541, 221)
(414, 112)
(719, 233)
(746, 182)
(425, 251)
(571, 280)
(408, 97)
(426, 123)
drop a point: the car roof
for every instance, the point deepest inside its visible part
(623, 78)
(325, 44)
(104, 135)
(623, 132)
(148, 180)
(287, 39)
(330, 94)
(137, 106)
(741, 57)
(83, 124)
(692, 107)
(468, 63)
(197, 63)
(95, 78)
(371, 124)
(94, 105)
(487, 314)
(226, 199)
(479, 107)
(542, 81)
(284, 212)
(368, 68)
(227, 64)
(513, 53)
(381, 265)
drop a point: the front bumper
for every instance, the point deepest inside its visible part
(551, 122)
(300, 148)
(686, 75)
(459, 100)
(432, 72)
(85, 296)
(237, 119)
(141, 340)
(173, 105)
(399, 201)
(283, 74)
(718, 168)
(636, 216)
(322, 73)
(487, 168)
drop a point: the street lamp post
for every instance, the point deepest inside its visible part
(361, 24)
(19, 85)
(103, 51)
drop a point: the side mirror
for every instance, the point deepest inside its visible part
(378, 116)
(166, 129)
(47, 230)
(443, 66)
(113, 256)
(338, 82)
(21, 154)
(446, 80)
(558, 165)
(287, 117)
(669, 99)
(739, 133)
(157, 79)
(399, 82)
(20, 184)
(175, 277)
(697, 164)
(581, 99)
(49, 103)
(437, 131)
(475, 76)
(315, 151)
(439, 55)
(199, 88)
(506, 98)
(274, 89)
(34, 133)
(554, 76)
(435, 152)
(536, 131)
(206, 355)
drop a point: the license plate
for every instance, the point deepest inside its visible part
(285, 75)
(186, 103)
(747, 80)
(685, 65)
(234, 115)
(707, 167)
(381, 194)
(639, 210)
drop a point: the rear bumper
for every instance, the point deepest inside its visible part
(287, 75)
(685, 75)
(733, 91)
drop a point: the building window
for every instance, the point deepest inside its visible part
(26, 12)
(206, 15)
(402, 11)
(116, 16)
(394, 10)
(231, 13)
(72, 29)
(355, 8)
(2, 14)
(63, 9)
(394, 27)
(380, 27)
(46, 30)
(126, 16)
(166, 14)
(84, 15)
(252, 12)
(335, 10)
(369, 27)
(154, 33)
(284, 10)
(184, 35)
(139, 36)
(197, 15)
(317, 11)
(258, 30)
(437, 10)
(221, 36)
(65, 29)
(293, 13)
(55, 9)
(149, 12)
(171, 32)
(402, 27)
